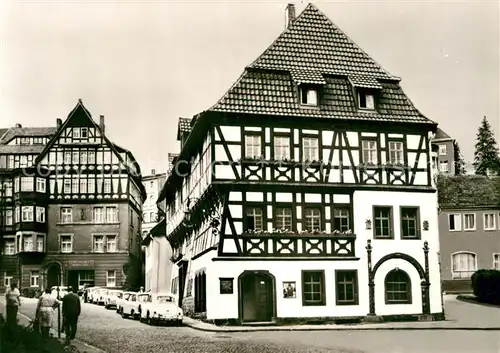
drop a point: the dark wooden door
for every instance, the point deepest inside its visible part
(263, 296)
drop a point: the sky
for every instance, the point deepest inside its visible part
(144, 64)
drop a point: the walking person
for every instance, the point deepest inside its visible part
(45, 312)
(71, 311)
(12, 301)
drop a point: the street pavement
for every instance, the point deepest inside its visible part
(106, 330)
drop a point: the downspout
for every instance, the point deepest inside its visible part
(157, 263)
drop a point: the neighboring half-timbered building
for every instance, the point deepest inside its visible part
(307, 191)
(71, 208)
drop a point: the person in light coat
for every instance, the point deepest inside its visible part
(13, 302)
(45, 312)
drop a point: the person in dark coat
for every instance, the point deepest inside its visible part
(71, 311)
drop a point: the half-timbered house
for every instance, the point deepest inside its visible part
(306, 191)
(72, 205)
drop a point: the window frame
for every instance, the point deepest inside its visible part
(369, 150)
(94, 237)
(30, 213)
(455, 216)
(304, 90)
(396, 151)
(36, 277)
(493, 214)
(306, 150)
(453, 271)
(418, 233)
(115, 237)
(10, 239)
(65, 235)
(355, 289)
(443, 149)
(305, 218)
(69, 215)
(275, 216)
(390, 220)
(334, 217)
(322, 301)
(365, 93)
(249, 207)
(474, 218)
(409, 299)
(253, 146)
(446, 170)
(108, 277)
(282, 148)
(496, 262)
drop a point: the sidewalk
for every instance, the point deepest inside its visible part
(24, 320)
(459, 316)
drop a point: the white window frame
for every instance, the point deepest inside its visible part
(441, 164)
(40, 185)
(61, 248)
(282, 150)
(66, 217)
(40, 243)
(7, 280)
(253, 146)
(494, 223)
(26, 244)
(9, 217)
(468, 272)
(67, 186)
(101, 213)
(34, 279)
(114, 240)
(396, 150)
(310, 149)
(311, 96)
(40, 214)
(369, 100)
(474, 220)
(496, 261)
(12, 250)
(94, 238)
(109, 278)
(458, 217)
(106, 213)
(443, 151)
(27, 214)
(107, 186)
(27, 184)
(371, 149)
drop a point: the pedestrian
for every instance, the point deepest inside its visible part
(71, 311)
(12, 301)
(45, 312)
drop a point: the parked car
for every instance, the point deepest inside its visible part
(63, 290)
(160, 307)
(98, 297)
(131, 306)
(91, 293)
(121, 300)
(111, 298)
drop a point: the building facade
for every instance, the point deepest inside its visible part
(445, 151)
(71, 206)
(153, 184)
(306, 192)
(469, 229)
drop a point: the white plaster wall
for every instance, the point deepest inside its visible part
(158, 265)
(225, 306)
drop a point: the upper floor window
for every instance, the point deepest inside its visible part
(111, 214)
(66, 243)
(489, 221)
(28, 243)
(9, 217)
(455, 222)
(24, 141)
(341, 219)
(383, 222)
(369, 148)
(27, 184)
(66, 215)
(9, 247)
(67, 186)
(310, 149)
(309, 96)
(91, 157)
(27, 213)
(111, 243)
(107, 186)
(410, 227)
(253, 147)
(443, 166)
(442, 150)
(40, 185)
(98, 243)
(39, 243)
(396, 152)
(283, 218)
(470, 221)
(312, 218)
(366, 100)
(67, 157)
(108, 214)
(40, 214)
(254, 219)
(281, 147)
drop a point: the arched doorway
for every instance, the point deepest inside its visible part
(54, 273)
(257, 296)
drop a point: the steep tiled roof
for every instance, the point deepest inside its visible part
(21, 149)
(27, 132)
(313, 50)
(183, 126)
(441, 135)
(467, 191)
(275, 94)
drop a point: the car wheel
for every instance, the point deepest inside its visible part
(124, 316)
(179, 322)
(150, 320)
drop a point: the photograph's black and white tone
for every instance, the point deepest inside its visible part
(249, 176)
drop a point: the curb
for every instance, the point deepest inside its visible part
(285, 329)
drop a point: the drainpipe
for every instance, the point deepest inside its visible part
(157, 263)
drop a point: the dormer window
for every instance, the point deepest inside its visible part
(309, 96)
(366, 100)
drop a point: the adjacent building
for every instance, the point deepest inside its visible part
(71, 205)
(306, 192)
(445, 152)
(469, 228)
(153, 184)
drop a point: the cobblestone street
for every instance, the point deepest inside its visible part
(108, 331)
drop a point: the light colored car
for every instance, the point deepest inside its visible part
(131, 306)
(91, 294)
(121, 300)
(111, 298)
(99, 297)
(63, 290)
(161, 307)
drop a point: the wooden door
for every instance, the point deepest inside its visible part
(263, 296)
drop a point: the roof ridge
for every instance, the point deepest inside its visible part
(5, 133)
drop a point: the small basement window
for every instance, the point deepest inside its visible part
(309, 96)
(366, 100)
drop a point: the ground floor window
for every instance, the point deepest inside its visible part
(110, 278)
(34, 278)
(397, 287)
(85, 278)
(496, 261)
(7, 280)
(200, 293)
(464, 264)
(346, 287)
(313, 288)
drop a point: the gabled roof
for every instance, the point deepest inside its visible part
(13, 132)
(313, 50)
(464, 191)
(441, 135)
(21, 149)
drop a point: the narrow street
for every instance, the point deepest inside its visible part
(108, 331)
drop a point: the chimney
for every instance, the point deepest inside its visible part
(101, 123)
(58, 123)
(290, 14)
(153, 172)
(18, 125)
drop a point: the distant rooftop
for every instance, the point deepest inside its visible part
(463, 191)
